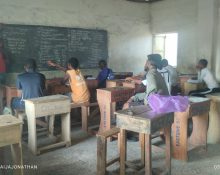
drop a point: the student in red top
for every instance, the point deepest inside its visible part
(2, 63)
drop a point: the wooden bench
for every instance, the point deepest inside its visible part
(102, 162)
(85, 112)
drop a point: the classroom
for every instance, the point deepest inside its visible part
(97, 87)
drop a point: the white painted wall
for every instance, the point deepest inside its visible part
(178, 16)
(127, 24)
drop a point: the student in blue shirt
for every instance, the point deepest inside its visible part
(104, 74)
(31, 83)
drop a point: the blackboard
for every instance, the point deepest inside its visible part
(43, 43)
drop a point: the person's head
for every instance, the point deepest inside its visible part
(202, 64)
(153, 62)
(102, 64)
(164, 62)
(73, 63)
(30, 65)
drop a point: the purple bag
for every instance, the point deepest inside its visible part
(165, 104)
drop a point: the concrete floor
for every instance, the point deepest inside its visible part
(80, 159)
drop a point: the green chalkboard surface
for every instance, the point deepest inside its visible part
(44, 43)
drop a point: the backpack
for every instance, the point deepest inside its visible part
(110, 75)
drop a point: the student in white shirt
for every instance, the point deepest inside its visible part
(204, 75)
(171, 77)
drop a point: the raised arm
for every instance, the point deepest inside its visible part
(57, 66)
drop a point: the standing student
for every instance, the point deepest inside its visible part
(80, 92)
(155, 83)
(172, 77)
(31, 83)
(3, 62)
(104, 74)
(206, 76)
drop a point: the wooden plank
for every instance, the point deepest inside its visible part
(114, 83)
(142, 143)
(16, 150)
(148, 159)
(8, 121)
(123, 150)
(47, 99)
(146, 122)
(113, 160)
(179, 136)
(55, 145)
(199, 133)
(109, 133)
(167, 133)
(101, 155)
(192, 86)
(48, 105)
(214, 119)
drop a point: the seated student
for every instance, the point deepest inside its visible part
(80, 92)
(31, 83)
(104, 74)
(172, 77)
(155, 82)
(204, 75)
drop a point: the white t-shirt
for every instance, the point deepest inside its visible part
(206, 76)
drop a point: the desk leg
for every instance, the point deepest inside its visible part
(85, 115)
(32, 133)
(51, 125)
(148, 170)
(16, 151)
(179, 141)
(101, 155)
(214, 122)
(168, 149)
(142, 144)
(199, 133)
(105, 114)
(123, 150)
(66, 131)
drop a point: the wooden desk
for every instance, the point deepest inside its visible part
(192, 87)
(106, 98)
(138, 88)
(122, 75)
(48, 106)
(114, 83)
(183, 79)
(198, 110)
(10, 134)
(10, 92)
(214, 119)
(146, 122)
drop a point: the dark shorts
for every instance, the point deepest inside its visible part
(204, 92)
(17, 103)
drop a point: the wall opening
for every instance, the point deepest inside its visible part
(166, 45)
